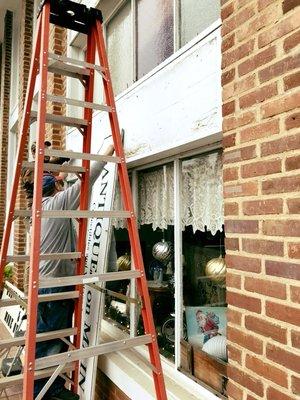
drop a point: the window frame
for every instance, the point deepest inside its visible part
(178, 272)
(176, 35)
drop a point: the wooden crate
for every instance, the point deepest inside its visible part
(210, 370)
(186, 356)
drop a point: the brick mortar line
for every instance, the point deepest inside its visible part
(263, 317)
(271, 157)
(268, 382)
(254, 106)
(242, 112)
(262, 257)
(282, 17)
(255, 71)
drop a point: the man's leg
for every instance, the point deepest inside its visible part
(52, 316)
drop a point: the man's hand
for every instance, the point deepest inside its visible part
(109, 151)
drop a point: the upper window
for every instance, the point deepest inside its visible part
(195, 16)
(155, 38)
(119, 48)
(141, 34)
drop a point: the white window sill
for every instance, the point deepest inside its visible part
(134, 378)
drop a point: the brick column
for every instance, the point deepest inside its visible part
(25, 49)
(57, 86)
(4, 111)
(260, 75)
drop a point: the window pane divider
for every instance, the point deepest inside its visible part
(134, 39)
(176, 25)
(178, 273)
(134, 309)
(114, 11)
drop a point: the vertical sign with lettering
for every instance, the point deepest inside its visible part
(97, 251)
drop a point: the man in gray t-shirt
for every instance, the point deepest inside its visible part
(58, 236)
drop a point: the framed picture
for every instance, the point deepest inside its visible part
(203, 323)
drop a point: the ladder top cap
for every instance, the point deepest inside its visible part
(71, 15)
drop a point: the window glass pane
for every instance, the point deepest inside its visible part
(204, 290)
(119, 49)
(156, 232)
(154, 33)
(196, 15)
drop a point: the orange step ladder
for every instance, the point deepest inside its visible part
(88, 21)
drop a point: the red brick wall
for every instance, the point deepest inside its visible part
(4, 111)
(57, 85)
(54, 133)
(25, 47)
(107, 390)
(260, 75)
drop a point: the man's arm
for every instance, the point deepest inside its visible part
(70, 197)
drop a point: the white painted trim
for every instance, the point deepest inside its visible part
(133, 287)
(178, 260)
(184, 149)
(114, 11)
(132, 381)
(176, 16)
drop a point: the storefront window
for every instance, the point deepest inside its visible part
(200, 276)
(155, 199)
(203, 341)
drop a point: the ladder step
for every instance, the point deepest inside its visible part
(14, 380)
(81, 156)
(47, 256)
(92, 351)
(86, 279)
(75, 214)
(61, 68)
(78, 103)
(40, 337)
(74, 61)
(61, 120)
(55, 167)
(74, 294)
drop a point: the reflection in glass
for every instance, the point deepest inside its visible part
(119, 49)
(196, 15)
(155, 40)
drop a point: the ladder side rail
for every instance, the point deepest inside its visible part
(30, 342)
(84, 196)
(21, 146)
(132, 225)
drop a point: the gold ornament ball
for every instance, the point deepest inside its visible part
(216, 270)
(123, 262)
(163, 251)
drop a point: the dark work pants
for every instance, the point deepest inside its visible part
(52, 316)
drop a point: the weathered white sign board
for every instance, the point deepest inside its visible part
(99, 253)
(12, 316)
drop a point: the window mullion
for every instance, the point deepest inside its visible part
(134, 39)
(178, 261)
(133, 289)
(176, 25)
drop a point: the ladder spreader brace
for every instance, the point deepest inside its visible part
(80, 18)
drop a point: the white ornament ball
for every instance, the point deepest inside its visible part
(217, 347)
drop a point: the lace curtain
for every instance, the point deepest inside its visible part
(202, 195)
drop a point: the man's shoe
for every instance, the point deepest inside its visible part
(65, 394)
